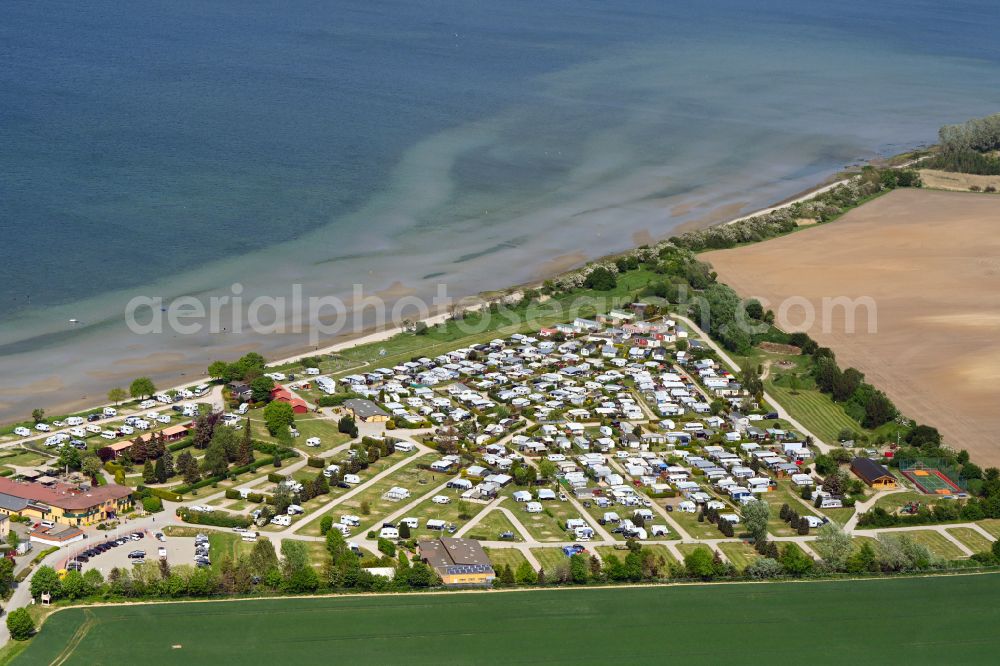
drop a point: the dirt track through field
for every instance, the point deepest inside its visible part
(931, 262)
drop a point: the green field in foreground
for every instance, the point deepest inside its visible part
(948, 619)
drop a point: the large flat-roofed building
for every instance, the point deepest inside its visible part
(458, 561)
(366, 411)
(62, 502)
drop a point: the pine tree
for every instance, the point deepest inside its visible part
(148, 473)
(159, 470)
(168, 463)
(188, 467)
(245, 454)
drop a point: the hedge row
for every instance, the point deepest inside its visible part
(216, 518)
(181, 444)
(161, 493)
(316, 462)
(256, 498)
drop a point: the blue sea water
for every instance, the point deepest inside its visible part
(178, 146)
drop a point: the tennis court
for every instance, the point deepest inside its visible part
(931, 481)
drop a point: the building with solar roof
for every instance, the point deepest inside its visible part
(459, 562)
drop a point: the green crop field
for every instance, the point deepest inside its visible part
(920, 621)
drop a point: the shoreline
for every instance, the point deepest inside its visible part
(374, 334)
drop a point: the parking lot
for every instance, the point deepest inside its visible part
(180, 550)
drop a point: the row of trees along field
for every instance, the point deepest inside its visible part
(970, 147)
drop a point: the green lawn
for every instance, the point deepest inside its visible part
(491, 526)
(971, 538)
(784, 494)
(930, 621)
(501, 556)
(816, 411)
(689, 521)
(688, 548)
(549, 558)
(312, 528)
(450, 513)
(408, 476)
(22, 458)
(894, 502)
(938, 545)
(221, 544)
(550, 524)
(451, 335)
(991, 525)
(325, 429)
(739, 553)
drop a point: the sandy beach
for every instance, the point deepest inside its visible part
(931, 262)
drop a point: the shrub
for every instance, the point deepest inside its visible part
(20, 625)
(152, 504)
(216, 518)
(316, 462)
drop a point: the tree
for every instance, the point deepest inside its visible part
(91, 465)
(526, 574)
(294, 556)
(263, 558)
(6, 572)
(546, 468)
(260, 388)
(506, 577)
(148, 473)
(755, 517)
(215, 462)
(204, 429)
(794, 560)
(244, 454)
(116, 395)
(600, 279)
(762, 568)
(160, 470)
(863, 559)
(70, 457)
(20, 625)
(578, 568)
(142, 388)
(218, 369)
(833, 545)
(188, 467)
(348, 426)
(45, 580)
(879, 410)
(73, 585)
(278, 416)
(38, 415)
(698, 563)
(325, 525)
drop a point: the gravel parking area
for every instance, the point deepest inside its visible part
(180, 550)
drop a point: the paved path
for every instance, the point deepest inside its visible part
(782, 412)
(316, 513)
